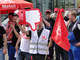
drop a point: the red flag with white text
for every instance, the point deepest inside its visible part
(60, 33)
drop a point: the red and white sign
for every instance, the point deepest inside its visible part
(21, 17)
(31, 17)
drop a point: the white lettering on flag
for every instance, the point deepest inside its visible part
(59, 30)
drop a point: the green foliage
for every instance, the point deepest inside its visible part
(78, 3)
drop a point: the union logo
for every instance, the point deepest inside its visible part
(59, 30)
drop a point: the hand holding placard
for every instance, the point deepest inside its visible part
(31, 17)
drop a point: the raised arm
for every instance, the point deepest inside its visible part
(21, 28)
(45, 22)
(16, 33)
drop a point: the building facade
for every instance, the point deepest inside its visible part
(43, 5)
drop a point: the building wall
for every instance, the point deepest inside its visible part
(43, 5)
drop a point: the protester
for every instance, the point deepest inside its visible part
(51, 21)
(65, 53)
(58, 50)
(3, 48)
(54, 15)
(9, 35)
(38, 42)
(45, 22)
(63, 13)
(23, 52)
(74, 36)
(25, 41)
(15, 36)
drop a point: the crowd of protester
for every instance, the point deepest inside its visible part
(24, 44)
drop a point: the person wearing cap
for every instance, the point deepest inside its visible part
(54, 15)
(51, 21)
(79, 6)
(63, 14)
(58, 49)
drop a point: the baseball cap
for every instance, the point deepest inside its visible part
(56, 9)
(62, 10)
(79, 6)
(48, 11)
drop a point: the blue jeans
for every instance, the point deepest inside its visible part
(22, 55)
(74, 52)
(1, 54)
(11, 52)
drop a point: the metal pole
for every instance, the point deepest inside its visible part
(64, 4)
(60, 3)
(43, 5)
(68, 3)
(75, 3)
(56, 3)
(43, 8)
(53, 4)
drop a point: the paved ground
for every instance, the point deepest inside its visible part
(6, 56)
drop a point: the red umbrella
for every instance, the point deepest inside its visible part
(7, 6)
(11, 5)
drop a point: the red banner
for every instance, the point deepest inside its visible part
(60, 33)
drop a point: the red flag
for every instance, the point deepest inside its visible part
(60, 33)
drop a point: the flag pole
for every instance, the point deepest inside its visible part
(47, 51)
